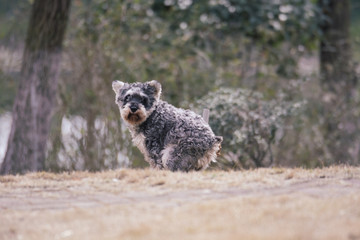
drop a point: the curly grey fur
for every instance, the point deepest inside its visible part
(169, 137)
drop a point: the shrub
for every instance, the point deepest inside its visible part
(248, 124)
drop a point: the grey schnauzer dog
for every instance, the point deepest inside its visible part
(168, 137)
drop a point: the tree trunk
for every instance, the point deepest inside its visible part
(36, 94)
(338, 79)
(336, 68)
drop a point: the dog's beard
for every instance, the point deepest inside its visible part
(134, 118)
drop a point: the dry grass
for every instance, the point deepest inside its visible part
(146, 204)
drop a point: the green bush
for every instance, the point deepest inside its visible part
(248, 124)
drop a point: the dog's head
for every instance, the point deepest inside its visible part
(136, 101)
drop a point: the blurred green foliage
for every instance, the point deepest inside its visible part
(7, 86)
(14, 17)
(196, 49)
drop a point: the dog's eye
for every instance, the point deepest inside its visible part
(127, 98)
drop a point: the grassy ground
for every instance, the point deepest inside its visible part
(145, 204)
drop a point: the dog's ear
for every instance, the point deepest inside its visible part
(155, 84)
(117, 85)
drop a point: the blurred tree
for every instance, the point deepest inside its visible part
(336, 66)
(339, 80)
(276, 31)
(36, 94)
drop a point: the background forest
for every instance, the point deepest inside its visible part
(279, 77)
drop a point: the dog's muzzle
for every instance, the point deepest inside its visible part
(134, 113)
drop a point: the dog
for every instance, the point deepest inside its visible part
(169, 138)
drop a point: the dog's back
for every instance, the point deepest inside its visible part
(179, 139)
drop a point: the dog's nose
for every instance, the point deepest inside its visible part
(133, 109)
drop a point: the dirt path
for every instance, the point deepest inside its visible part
(146, 204)
(53, 198)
